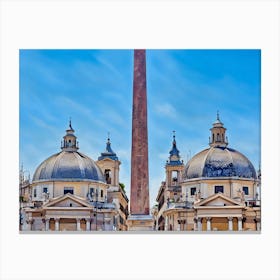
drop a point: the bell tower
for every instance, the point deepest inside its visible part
(110, 165)
(174, 168)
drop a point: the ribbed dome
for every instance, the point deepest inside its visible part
(68, 165)
(219, 162)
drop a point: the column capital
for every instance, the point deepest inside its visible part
(240, 218)
(208, 218)
(230, 218)
(56, 219)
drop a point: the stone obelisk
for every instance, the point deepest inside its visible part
(139, 218)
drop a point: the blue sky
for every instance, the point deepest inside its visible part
(94, 87)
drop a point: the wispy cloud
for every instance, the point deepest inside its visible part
(80, 109)
(165, 110)
(108, 65)
(124, 154)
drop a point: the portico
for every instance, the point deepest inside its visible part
(217, 213)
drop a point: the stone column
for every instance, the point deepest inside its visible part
(56, 224)
(78, 224)
(47, 224)
(258, 221)
(195, 224)
(239, 223)
(230, 226)
(166, 223)
(208, 223)
(88, 224)
(29, 222)
(199, 224)
(179, 225)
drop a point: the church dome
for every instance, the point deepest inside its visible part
(69, 164)
(219, 160)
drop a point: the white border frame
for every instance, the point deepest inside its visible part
(139, 24)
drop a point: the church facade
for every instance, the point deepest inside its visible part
(217, 190)
(71, 192)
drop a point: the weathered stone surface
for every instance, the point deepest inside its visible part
(139, 195)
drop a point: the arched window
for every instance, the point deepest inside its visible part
(174, 176)
(107, 175)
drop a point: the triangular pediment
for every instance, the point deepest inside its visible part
(217, 200)
(67, 200)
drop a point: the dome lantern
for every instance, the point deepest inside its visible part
(69, 142)
(218, 134)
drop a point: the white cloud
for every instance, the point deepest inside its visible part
(166, 110)
(124, 155)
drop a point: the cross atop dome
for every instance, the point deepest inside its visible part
(70, 126)
(218, 122)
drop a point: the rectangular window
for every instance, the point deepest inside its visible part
(246, 190)
(219, 189)
(91, 191)
(45, 190)
(101, 193)
(68, 190)
(193, 190)
(35, 193)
